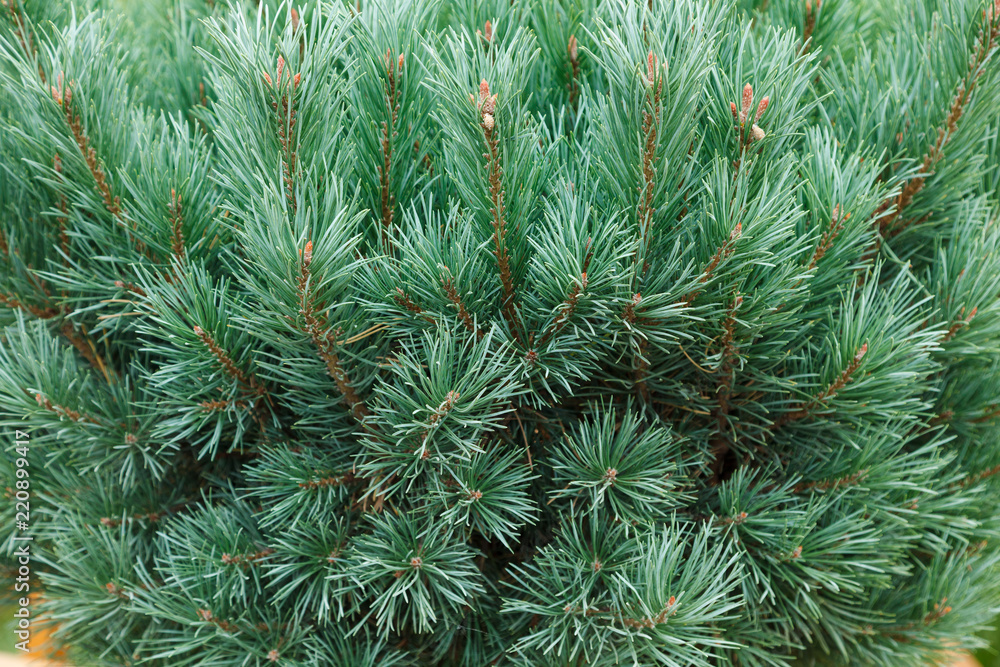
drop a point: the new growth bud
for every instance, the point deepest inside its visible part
(487, 106)
(761, 108)
(747, 102)
(486, 34)
(572, 48)
(756, 134)
(651, 62)
(861, 353)
(281, 70)
(59, 94)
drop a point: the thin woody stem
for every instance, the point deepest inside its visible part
(318, 329)
(498, 211)
(724, 388)
(463, 314)
(568, 307)
(176, 219)
(842, 380)
(389, 133)
(650, 128)
(987, 38)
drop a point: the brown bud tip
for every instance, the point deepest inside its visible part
(762, 107)
(475, 495)
(836, 213)
(281, 68)
(596, 566)
(106, 521)
(295, 19)
(756, 133)
(861, 353)
(572, 47)
(610, 475)
(737, 231)
(651, 67)
(205, 614)
(399, 62)
(298, 77)
(198, 330)
(797, 552)
(972, 314)
(267, 78)
(488, 122)
(57, 163)
(272, 655)
(736, 114)
(488, 31)
(307, 254)
(484, 91)
(416, 562)
(672, 601)
(738, 302)
(747, 98)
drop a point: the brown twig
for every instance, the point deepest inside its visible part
(650, 127)
(316, 326)
(888, 226)
(283, 104)
(842, 380)
(487, 108)
(389, 133)
(176, 226)
(463, 314)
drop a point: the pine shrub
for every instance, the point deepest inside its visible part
(532, 332)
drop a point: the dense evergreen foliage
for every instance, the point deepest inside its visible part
(534, 332)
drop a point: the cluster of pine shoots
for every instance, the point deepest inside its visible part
(516, 332)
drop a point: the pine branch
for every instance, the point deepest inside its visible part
(283, 103)
(821, 398)
(392, 67)
(326, 345)
(176, 220)
(650, 126)
(890, 225)
(456, 300)
(487, 106)
(63, 96)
